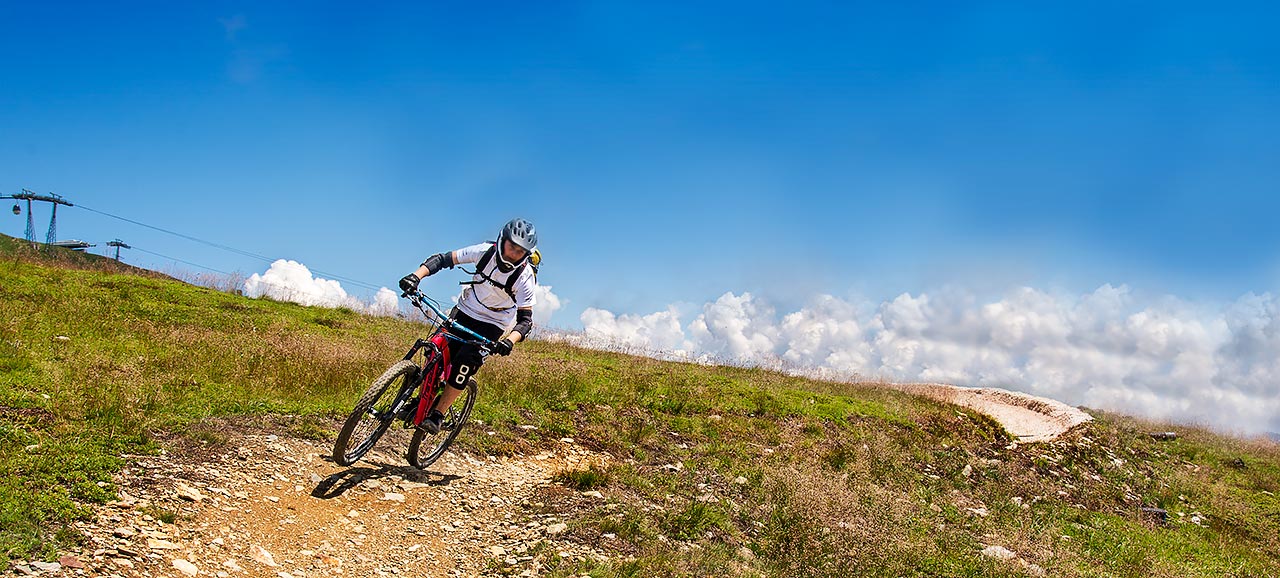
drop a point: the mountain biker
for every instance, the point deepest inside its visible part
(499, 296)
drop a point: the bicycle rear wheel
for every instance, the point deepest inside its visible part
(372, 414)
(426, 448)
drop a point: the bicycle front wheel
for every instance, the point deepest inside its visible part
(426, 448)
(373, 413)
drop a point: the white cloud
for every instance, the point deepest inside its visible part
(736, 328)
(292, 281)
(547, 304)
(654, 332)
(1162, 358)
(827, 334)
(385, 302)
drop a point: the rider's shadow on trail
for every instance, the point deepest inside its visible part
(337, 484)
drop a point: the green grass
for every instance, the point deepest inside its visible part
(714, 470)
(592, 477)
(93, 362)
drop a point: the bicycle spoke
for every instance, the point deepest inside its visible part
(425, 448)
(373, 415)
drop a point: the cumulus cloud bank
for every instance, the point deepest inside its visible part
(292, 281)
(547, 304)
(1165, 359)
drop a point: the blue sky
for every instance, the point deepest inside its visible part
(668, 153)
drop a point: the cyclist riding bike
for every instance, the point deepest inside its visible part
(497, 301)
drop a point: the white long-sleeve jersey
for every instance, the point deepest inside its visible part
(488, 302)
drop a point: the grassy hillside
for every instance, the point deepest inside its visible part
(809, 478)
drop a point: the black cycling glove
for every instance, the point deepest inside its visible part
(503, 347)
(409, 283)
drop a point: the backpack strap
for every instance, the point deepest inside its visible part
(485, 258)
(509, 286)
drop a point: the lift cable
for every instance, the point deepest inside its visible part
(224, 248)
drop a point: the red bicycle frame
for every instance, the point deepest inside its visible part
(435, 367)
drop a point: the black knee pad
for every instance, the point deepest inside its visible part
(461, 374)
(466, 362)
(468, 381)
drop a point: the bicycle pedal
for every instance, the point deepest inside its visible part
(406, 412)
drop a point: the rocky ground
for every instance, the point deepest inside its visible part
(267, 505)
(262, 504)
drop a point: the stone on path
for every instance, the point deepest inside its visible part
(260, 555)
(189, 493)
(185, 567)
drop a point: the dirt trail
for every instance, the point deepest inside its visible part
(270, 506)
(278, 507)
(1027, 417)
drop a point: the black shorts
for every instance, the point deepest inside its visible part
(465, 357)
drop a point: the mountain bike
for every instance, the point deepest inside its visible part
(408, 390)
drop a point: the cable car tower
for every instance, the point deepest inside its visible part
(50, 198)
(117, 243)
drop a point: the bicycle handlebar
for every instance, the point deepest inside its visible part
(419, 299)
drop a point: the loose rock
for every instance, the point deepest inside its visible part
(189, 493)
(260, 555)
(185, 567)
